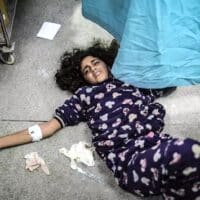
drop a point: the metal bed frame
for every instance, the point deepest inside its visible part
(7, 47)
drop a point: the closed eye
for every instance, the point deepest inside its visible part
(86, 70)
(96, 62)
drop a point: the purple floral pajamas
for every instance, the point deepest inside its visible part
(126, 127)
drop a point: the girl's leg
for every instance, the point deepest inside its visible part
(172, 167)
(144, 171)
(181, 170)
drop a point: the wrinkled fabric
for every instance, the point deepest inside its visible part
(159, 40)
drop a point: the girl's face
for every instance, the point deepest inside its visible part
(94, 70)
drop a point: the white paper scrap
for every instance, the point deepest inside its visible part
(80, 152)
(48, 30)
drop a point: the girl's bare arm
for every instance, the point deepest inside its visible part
(23, 137)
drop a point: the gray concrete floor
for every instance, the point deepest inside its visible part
(28, 95)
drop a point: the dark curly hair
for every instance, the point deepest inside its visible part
(69, 76)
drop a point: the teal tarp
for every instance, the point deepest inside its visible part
(159, 39)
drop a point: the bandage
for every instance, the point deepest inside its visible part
(35, 132)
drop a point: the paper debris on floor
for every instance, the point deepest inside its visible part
(81, 152)
(34, 161)
(48, 30)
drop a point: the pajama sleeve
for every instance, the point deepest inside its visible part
(71, 112)
(152, 94)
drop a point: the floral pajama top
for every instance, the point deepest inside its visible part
(123, 119)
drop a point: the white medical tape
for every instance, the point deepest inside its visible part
(35, 132)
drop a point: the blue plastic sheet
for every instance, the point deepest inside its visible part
(159, 39)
